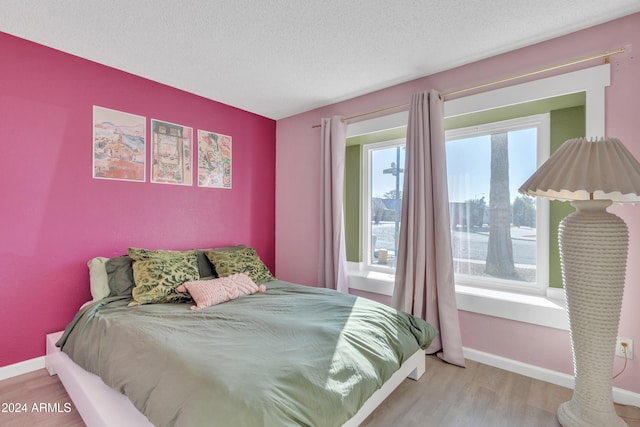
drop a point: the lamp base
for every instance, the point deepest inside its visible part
(593, 253)
(571, 415)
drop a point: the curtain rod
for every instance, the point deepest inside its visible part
(605, 55)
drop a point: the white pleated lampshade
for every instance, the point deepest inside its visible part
(583, 169)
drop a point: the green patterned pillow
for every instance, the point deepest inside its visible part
(235, 261)
(158, 273)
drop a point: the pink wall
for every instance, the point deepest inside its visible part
(55, 216)
(297, 184)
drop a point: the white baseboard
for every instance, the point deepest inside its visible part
(621, 396)
(20, 368)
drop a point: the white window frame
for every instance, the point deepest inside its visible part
(542, 123)
(361, 278)
(546, 310)
(366, 202)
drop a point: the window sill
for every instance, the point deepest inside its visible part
(369, 281)
(540, 310)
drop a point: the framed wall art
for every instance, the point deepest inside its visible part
(214, 160)
(119, 145)
(171, 154)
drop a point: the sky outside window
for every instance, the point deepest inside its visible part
(469, 164)
(381, 159)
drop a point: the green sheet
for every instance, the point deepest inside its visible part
(291, 356)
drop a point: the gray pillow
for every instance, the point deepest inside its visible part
(206, 268)
(204, 265)
(120, 275)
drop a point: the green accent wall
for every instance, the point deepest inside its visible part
(383, 135)
(565, 124)
(353, 202)
(540, 106)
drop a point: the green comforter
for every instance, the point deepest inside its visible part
(293, 355)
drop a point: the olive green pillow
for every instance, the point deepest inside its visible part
(157, 274)
(242, 260)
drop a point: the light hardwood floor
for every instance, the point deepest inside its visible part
(32, 389)
(446, 396)
(479, 396)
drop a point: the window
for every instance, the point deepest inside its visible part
(552, 95)
(499, 237)
(373, 145)
(383, 164)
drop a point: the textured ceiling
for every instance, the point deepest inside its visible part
(279, 58)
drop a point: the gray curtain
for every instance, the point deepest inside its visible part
(333, 254)
(424, 282)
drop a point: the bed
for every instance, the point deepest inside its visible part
(286, 355)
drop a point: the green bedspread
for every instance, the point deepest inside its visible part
(293, 355)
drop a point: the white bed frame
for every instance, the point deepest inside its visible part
(101, 406)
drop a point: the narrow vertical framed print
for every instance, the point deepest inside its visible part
(171, 153)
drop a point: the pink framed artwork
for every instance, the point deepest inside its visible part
(119, 145)
(214, 160)
(171, 153)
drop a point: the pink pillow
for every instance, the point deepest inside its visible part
(215, 291)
